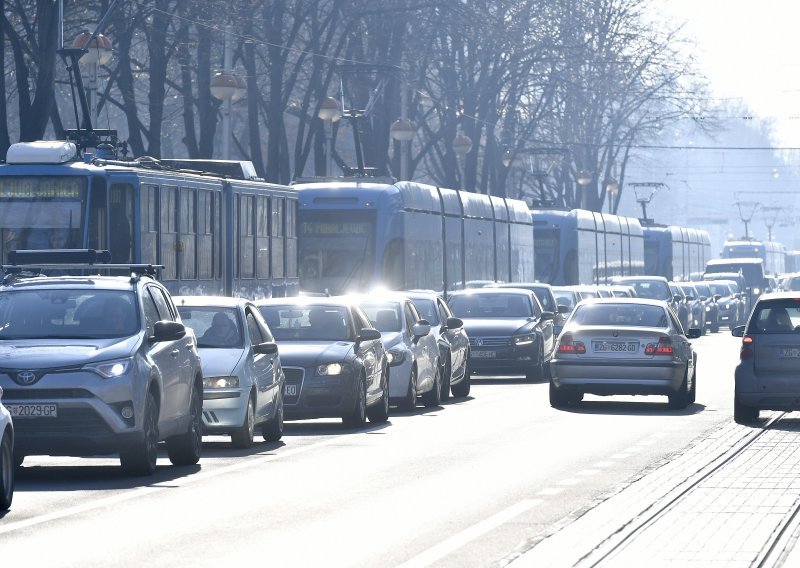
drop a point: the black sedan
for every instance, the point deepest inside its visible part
(509, 332)
(333, 359)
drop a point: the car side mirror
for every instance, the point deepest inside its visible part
(454, 323)
(266, 348)
(717, 297)
(703, 298)
(547, 316)
(368, 334)
(677, 297)
(562, 309)
(693, 333)
(168, 331)
(421, 329)
(738, 331)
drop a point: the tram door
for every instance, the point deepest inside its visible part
(120, 217)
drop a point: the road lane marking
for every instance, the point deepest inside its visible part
(149, 489)
(604, 464)
(619, 456)
(587, 472)
(458, 540)
(551, 491)
(570, 481)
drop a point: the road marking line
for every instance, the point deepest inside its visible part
(570, 481)
(620, 456)
(458, 540)
(551, 491)
(587, 472)
(604, 464)
(142, 491)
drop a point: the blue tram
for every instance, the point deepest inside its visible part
(585, 247)
(212, 234)
(676, 253)
(773, 254)
(357, 235)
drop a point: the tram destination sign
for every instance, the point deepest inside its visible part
(40, 187)
(334, 228)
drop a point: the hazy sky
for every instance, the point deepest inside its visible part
(750, 50)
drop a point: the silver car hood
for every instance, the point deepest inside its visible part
(55, 353)
(220, 362)
(391, 338)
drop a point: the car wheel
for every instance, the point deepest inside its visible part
(272, 430)
(693, 390)
(558, 398)
(141, 459)
(744, 414)
(538, 372)
(185, 448)
(461, 389)
(18, 459)
(715, 326)
(6, 472)
(680, 399)
(446, 373)
(409, 401)
(243, 437)
(433, 397)
(379, 412)
(358, 416)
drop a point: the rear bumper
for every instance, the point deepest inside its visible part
(618, 377)
(766, 392)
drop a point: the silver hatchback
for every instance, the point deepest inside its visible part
(766, 377)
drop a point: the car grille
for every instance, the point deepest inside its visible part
(294, 376)
(70, 421)
(44, 394)
(489, 341)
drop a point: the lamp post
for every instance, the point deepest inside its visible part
(507, 157)
(403, 131)
(329, 112)
(226, 86)
(583, 179)
(612, 189)
(99, 53)
(462, 145)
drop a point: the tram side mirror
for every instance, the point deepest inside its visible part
(738, 331)
(454, 323)
(562, 309)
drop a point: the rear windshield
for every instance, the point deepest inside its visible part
(652, 290)
(636, 315)
(491, 306)
(753, 273)
(564, 299)
(775, 316)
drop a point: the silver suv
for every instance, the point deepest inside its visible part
(95, 365)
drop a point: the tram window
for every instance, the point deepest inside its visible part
(291, 239)
(277, 231)
(169, 232)
(262, 237)
(246, 236)
(121, 222)
(97, 216)
(277, 217)
(149, 204)
(291, 219)
(205, 235)
(188, 228)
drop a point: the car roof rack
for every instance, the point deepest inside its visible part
(31, 263)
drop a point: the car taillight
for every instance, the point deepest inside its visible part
(567, 345)
(663, 347)
(746, 352)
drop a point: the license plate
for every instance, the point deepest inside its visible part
(483, 354)
(32, 410)
(790, 352)
(616, 346)
(290, 390)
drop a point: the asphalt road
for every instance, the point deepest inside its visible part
(475, 482)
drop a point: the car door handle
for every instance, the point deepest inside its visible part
(175, 352)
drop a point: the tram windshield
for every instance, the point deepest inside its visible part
(546, 245)
(336, 250)
(41, 212)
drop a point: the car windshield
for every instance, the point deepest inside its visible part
(651, 289)
(215, 327)
(385, 316)
(564, 299)
(308, 323)
(775, 316)
(636, 315)
(427, 309)
(491, 306)
(703, 290)
(68, 314)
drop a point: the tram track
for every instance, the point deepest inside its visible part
(773, 551)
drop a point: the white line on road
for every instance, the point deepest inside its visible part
(142, 491)
(570, 481)
(467, 535)
(551, 491)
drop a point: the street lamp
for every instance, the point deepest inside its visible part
(583, 179)
(403, 131)
(462, 145)
(329, 112)
(507, 157)
(612, 189)
(224, 87)
(99, 53)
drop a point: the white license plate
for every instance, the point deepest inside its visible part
(32, 410)
(483, 354)
(289, 390)
(616, 346)
(790, 352)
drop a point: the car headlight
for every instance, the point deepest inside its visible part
(708, 308)
(756, 291)
(330, 369)
(111, 369)
(727, 306)
(526, 339)
(396, 356)
(220, 382)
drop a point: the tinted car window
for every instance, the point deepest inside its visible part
(385, 316)
(565, 299)
(254, 330)
(427, 310)
(491, 306)
(703, 289)
(635, 315)
(38, 314)
(545, 298)
(308, 323)
(775, 316)
(163, 308)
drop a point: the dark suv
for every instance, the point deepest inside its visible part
(96, 365)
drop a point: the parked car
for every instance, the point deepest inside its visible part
(453, 342)
(696, 306)
(242, 374)
(98, 365)
(413, 349)
(710, 305)
(333, 359)
(766, 376)
(509, 332)
(624, 346)
(544, 293)
(6, 457)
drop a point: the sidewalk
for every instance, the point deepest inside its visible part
(708, 506)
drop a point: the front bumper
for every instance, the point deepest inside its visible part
(320, 396)
(224, 409)
(500, 360)
(623, 376)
